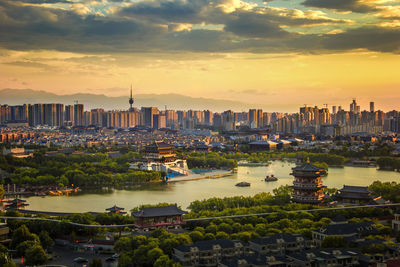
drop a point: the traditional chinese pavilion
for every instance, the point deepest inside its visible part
(160, 151)
(115, 210)
(307, 184)
(357, 195)
(156, 217)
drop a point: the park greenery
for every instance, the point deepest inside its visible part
(35, 237)
(210, 160)
(83, 170)
(388, 163)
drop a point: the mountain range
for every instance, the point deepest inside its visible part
(90, 101)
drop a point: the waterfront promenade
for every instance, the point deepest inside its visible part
(200, 219)
(198, 176)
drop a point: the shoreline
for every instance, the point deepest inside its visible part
(211, 175)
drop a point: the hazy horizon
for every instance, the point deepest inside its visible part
(265, 53)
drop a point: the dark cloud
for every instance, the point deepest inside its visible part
(252, 25)
(342, 5)
(47, 1)
(152, 26)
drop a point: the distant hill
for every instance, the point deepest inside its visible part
(173, 101)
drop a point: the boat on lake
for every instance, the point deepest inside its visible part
(243, 184)
(271, 178)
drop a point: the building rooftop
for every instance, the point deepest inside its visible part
(171, 210)
(308, 167)
(209, 244)
(348, 229)
(288, 238)
(355, 189)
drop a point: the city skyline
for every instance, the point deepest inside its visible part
(263, 52)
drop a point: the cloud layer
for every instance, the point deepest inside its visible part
(196, 25)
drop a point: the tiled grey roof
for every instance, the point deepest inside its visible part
(159, 211)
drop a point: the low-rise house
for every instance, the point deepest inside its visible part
(350, 231)
(209, 252)
(280, 244)
(257, 261)
(327, 257)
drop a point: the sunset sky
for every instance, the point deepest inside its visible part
(263, 52)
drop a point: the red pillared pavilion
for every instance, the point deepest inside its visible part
(156, 217)
(307, 184)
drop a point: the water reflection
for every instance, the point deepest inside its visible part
(183, 193)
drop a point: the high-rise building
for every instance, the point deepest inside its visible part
(253, 118)
(353, 106)
(69, 115)
(371, 107)
(148, 113)
(208, 118)
(54, 115)
(78, 115)
(334, 109)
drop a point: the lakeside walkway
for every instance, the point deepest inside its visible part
(198, 176)
(201, 219)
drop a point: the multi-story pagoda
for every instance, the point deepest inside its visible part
(160, 151)
(307, 184)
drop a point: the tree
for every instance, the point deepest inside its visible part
(164, 261)
(22, 234)
(23, 247)
(154, 254)
(196, 236)
(45, 240)
(35, 255)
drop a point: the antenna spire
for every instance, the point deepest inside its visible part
(131, 100)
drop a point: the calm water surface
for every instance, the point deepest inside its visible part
(183, 193)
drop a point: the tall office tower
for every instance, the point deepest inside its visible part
(217, 120)
(208, 118)
(19, 113)
(69, 115)
(371, 107)
(97, 117)
(266, 118)
(171, 118)
(259, 118)
(182, 116)
(358, 109)
(340, 108)
(334, 109)
(87, 118)
(148, 115)
(78, 115)
(159, 121)
(323, 116)
(229, 120)
(353, 106)
(131, 101)
(54, 115)
(253, 118)
(5, 113)
(38, 114)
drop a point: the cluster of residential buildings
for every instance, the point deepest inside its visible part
(293, 250)
(339, 121)
(58, 115)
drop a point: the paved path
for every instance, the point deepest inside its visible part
(203, 219)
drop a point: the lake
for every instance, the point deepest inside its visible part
(183, 193)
